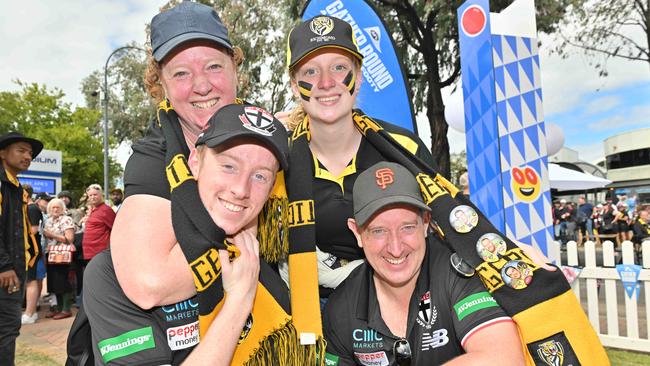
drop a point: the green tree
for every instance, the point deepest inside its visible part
(39, 112)
(606, 29)
(458, 164)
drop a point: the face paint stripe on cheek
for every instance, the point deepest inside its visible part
(350, 82)
(305, 90)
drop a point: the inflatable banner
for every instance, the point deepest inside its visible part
(384, 93)
(504, 121)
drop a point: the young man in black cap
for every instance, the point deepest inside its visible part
(18, 248)
(235, 164)
(407, 305)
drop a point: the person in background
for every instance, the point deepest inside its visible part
(18, 247)
(70, 209)
(36, 273)
(623, 222)
(641, 227)
(583, 219)
(463, 182)
(117, 196)
(59, 230)
(99, 224)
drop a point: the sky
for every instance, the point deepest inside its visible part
(59, 43)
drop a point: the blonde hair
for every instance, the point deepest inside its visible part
(152, 73)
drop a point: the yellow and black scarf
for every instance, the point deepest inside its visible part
(551, 322)
(269, 337)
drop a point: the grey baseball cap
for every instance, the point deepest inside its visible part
(186, 21)
(242, 120)
(381, 185)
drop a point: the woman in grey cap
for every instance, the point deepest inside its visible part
(192, 69)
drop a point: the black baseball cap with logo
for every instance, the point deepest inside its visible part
(245, 120)
(381, 185)
(186, 21)
(319, 32)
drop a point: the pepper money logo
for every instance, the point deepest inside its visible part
(525, 183)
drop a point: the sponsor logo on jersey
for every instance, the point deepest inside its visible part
(126, 344)
(331, 360)
(427, 314)
(188, 309)
(473, 303)
(367, 339)
(372, 359)
(435, 339)
(183, 336)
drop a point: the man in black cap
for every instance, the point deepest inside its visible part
(407, 305)
(18, 247)
(235, 164)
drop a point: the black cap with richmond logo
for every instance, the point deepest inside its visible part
(319, 32)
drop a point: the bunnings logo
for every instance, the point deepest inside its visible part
(126, 344)
(473, 303)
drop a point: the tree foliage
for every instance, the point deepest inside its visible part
(39, 112)
(606, 29)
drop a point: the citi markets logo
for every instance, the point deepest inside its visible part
(367, 338)
(181, 310)
(127, 343)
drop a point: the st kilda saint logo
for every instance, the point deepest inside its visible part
(257, 120)
(427, 314)
(384, 177)
(321, 25)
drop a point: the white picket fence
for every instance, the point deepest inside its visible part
(619, 322)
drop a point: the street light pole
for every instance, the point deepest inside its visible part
(106, 188)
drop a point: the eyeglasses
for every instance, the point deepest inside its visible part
(402, 352)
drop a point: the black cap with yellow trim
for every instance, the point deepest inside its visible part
(319, 32)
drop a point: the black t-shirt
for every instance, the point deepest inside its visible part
(123, 333)
(145, 170)
(35, 217)
(444, 311)
(333, 195)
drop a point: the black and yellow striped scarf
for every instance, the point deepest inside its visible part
(270, 337)
(31, 247)
(549, 317)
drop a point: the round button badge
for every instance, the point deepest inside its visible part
(491, 247)
(463, 219)
(517, 274)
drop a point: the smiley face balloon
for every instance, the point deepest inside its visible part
(525, 183)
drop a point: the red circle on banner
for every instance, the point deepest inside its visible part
(473, 20)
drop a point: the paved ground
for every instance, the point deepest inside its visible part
(46, 336)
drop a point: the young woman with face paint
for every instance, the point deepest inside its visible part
(325, 69)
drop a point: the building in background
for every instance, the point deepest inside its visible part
(627, 159)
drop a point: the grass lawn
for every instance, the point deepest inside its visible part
(626, 358)
(29, 357)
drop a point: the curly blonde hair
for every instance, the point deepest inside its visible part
(152, 73)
